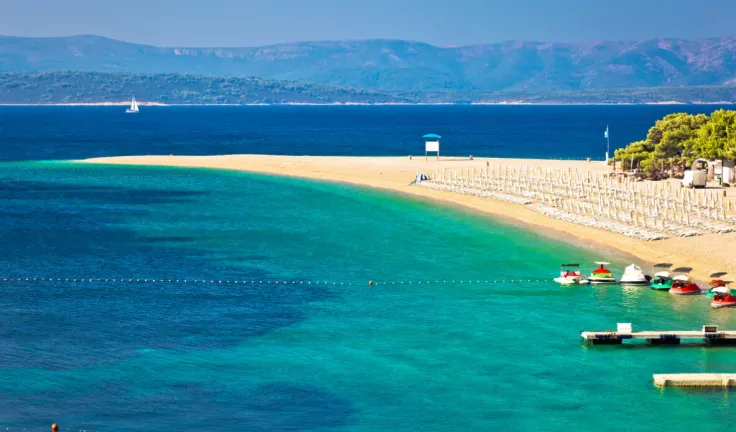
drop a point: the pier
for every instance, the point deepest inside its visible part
(695, 380)
(709, 335)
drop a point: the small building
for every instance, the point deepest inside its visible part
(431, 144)
(728, 173)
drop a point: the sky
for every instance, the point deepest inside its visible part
(203, 23)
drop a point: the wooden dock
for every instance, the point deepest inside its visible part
(709, 334)
(722, 380)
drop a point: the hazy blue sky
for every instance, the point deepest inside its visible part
(249, 22)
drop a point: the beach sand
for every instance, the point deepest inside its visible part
(706, 254)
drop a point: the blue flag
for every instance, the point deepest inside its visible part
(605, 134)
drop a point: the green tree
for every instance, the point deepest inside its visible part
(673, 136)
(671, 139)
(717, 138)
(634, 153)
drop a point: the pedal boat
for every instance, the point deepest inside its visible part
(633, 275)
(723, 297)
(601, 275)
(570, 275)
(682, 285)
(662, 280)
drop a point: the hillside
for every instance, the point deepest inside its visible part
(97, 87)
(396, 65)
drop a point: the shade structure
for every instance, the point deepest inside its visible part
(432, 144)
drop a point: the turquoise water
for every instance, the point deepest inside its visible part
(440, 357)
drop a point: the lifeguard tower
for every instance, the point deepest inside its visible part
(431, 144)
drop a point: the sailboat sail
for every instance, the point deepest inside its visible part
(133, 106)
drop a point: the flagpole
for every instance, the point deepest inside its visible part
(608, 149)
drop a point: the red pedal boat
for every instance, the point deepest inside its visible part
(716, 281)
(723, 297)
(682, 285)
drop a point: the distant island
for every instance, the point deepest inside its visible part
(101, 88)
(94, 87)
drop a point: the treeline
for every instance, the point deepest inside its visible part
(644, 95)
(96, 87)
(678, 139)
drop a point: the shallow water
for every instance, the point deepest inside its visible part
(210, 356)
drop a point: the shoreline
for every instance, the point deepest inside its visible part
(706, 254)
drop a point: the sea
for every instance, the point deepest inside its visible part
(142, 298)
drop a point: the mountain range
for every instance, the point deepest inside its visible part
(401, 66)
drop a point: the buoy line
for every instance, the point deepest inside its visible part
(261, 282)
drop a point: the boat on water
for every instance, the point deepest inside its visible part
(662, 280)
(570, 275)
(723, 297)
(716, 281)
(682, 285)
(602, 275)
(133, 107)
(634, 275)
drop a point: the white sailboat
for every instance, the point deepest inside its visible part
(133, 107)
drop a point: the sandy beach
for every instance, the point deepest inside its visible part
(706, 253)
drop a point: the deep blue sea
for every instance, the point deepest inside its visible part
(33, 133)
(325, 351)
